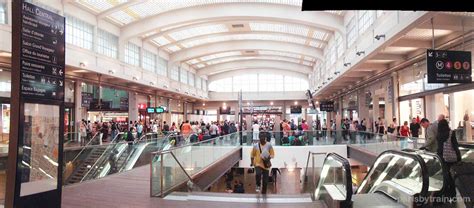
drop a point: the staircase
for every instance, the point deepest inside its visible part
(83, 168)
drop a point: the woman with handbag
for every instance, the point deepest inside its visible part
(448, 150)
(260, 157)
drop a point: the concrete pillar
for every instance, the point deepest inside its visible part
(434, 105)
(132, 107)
(375, 108)
(395, 110)
(78, 105)
(362, 105)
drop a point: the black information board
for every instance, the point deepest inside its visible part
(295, 109)
(449, 66)
(86, 99)
(42, 53)
(327, 106)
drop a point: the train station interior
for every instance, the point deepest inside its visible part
(234, 103)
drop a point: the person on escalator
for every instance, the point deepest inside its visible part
(431, 134)
(260, 157)
(130, 138)
(448, 151)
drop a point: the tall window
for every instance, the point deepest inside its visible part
(351, 32)
(107, 43)
(79, 33)
(366, 18)
(270, 83)
(247, 82)
(162, 67)
(175, 73)
(198, 82)
(132, 54)
(191, 79)
(295, 84)
(259, 83)
(204, 85)
(339, 45)
(149, 61)
(222, 85)
(332, 54)
(183, 76)
(3, 13)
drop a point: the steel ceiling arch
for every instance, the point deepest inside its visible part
(207, 49)
(253, 64)
(273, 12)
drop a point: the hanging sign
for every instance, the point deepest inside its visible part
(449, 66)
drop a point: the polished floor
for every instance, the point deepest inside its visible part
(132, 189)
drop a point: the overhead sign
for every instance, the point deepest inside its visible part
(150, 110)
(42, 54)
(86, 99)
(327, 106)
(160, 109)
(449, 66)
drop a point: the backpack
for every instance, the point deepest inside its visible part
(449, 154)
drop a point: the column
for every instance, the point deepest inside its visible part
(132, 107)
(78, 107)
(375, 108)
(362, 105)
(395, 111)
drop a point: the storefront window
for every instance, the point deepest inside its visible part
(411, 109)
(5, 83)
(69, 92)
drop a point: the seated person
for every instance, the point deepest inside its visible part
(239, 187)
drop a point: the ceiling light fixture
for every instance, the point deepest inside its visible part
(359, 53)
(347, 64)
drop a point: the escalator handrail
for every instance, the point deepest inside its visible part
(85, 146)
(443, 165)
(347, 168)
(416, 157)
(309, 157)
(112, 146)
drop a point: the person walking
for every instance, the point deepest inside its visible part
(260, 157)
(139, 130)
(415, 128)
(255, 129)
(404, 134)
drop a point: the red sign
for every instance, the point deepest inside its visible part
(466, 65)
(448, 65)
(457, 65)
(141, 106)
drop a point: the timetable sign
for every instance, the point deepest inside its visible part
(449, 66)
(327, 106)
(42, 57)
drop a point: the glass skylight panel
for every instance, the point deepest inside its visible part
(100, 5)
(173, 48)
(283, 28)
(279, 53)
(122, 17)
(161, 40)
(307, 58)
(281, 38)
(197, 31)
(319, 35)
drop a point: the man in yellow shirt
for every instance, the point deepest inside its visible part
(261, 151)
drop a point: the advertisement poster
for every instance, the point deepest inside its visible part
(40, 148)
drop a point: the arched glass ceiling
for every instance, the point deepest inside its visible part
(251, 30)
(142, 9)
(238, 58)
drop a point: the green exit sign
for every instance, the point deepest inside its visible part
(159, 110)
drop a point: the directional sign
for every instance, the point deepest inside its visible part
(327, 106)
(42, 53)
(449, 66)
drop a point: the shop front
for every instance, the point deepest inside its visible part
(104, 104)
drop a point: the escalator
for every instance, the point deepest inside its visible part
(396, 179)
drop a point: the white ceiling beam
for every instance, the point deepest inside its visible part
(243, 32)
(266, 70)
(219, 47)
(258, 56)
(411, 43)
(254, 64)
(250, 11)
(391, 57)
(225, 21)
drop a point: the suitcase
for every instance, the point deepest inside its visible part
(463, 176)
